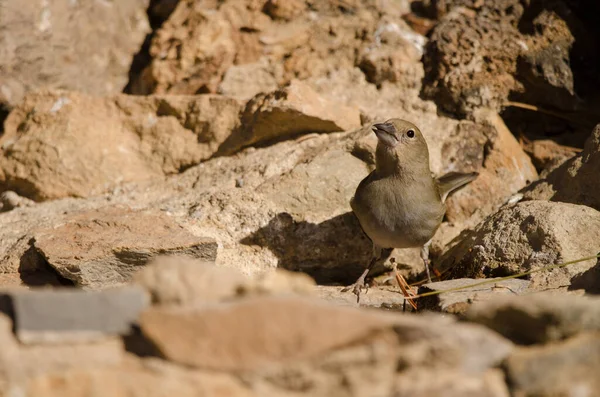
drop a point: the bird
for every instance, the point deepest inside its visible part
(400, 204)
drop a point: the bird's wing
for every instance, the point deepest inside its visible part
(452, 181)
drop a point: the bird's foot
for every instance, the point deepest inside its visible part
(357, 288)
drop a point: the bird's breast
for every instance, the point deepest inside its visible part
(397, 216)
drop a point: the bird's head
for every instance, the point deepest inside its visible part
(400, 143)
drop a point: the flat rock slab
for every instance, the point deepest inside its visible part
(73, 315)
(538, 318)
(471, 291)
(260, 332)
(105, 247)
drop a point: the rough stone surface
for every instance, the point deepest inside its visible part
(538, 318)
(58, 144)
(38, 50)
(298, 328)
(74, 315)
(470, 292)
(567, 368)
(18, 362)
(292, 110)
(105, 247)
(152, 379)
(527, 236)
(480, 52)
(575, 180)
(547, 155)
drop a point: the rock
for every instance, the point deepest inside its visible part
(540, 318)
(574, 181)
(479, 54)
(19, 362)
(504, 169)
(102, 248)
(388, 298)
(286, 329)
(73, 315)
(547, 155)
(285, 10)
(393, 56)
(565, 368)
(39, 50)
(11, 200)
(471, 291)
(58, 144)
(423, 383)
(185, 281)
(151, 379)
(528, 236)
(293, 110)
(278, 282)
(246, 81)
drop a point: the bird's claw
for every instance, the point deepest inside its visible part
(357, 288)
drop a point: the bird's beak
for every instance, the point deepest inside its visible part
(385, 133)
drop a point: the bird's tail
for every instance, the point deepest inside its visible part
(453, 181)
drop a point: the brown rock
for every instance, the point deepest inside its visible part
(471, 291)
(246, 81)
(59, 144)
(481, 52)
(105, 247)
(285, 10)
(293, 110)
(152, 379)
(423, 383)
(528, 236)
(393, 56)
(39, 50)
(288, 329)
(505, 168)
(18, 363)
(190, 52)
(540, 318)
(575, 181)
(181, 280)
(565, 368)
(547, 155)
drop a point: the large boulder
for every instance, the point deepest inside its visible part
(81, 46)
(528, 236)
(59, 144)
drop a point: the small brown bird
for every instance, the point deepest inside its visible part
(400, 204)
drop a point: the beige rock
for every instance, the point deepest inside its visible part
(423, 383)
(58, 144)
(191, 51)
(18, 363)
(39, 50)
(290, 111)
(105, 247)
(567, 368)
(286, 10)
(528, 236)
(547, 155)
(246, 81)
(575, 180)
(283, 329)
(539, 318)
(152, 379)
(505, 168)
(468, 291)
(185, 281)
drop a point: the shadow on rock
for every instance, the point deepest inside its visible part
(589, 281)
(333, 251)
(35, 271)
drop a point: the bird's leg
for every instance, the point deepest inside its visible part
(359, 285)
(425, 257)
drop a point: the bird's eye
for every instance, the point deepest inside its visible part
(410, 133)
